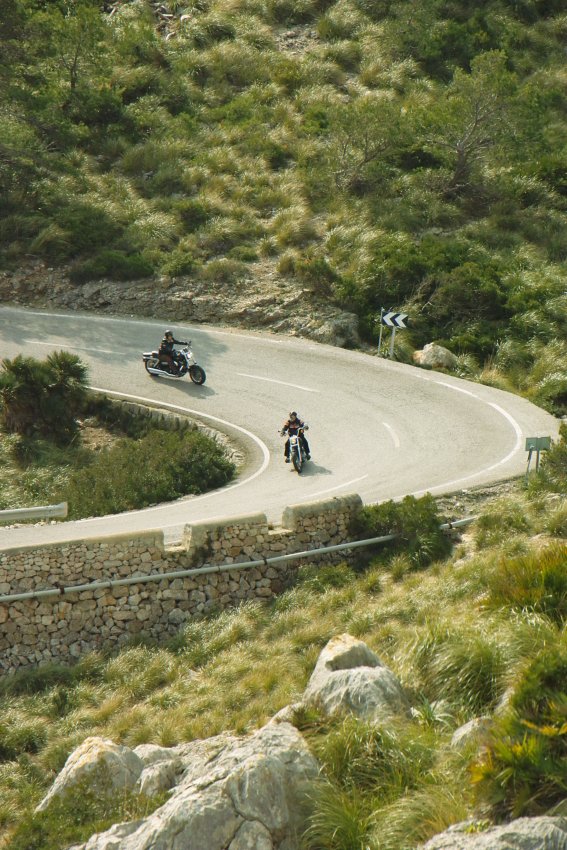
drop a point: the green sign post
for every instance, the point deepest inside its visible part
(537, 445)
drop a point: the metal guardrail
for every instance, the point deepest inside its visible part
(43, 512)
(219, 568)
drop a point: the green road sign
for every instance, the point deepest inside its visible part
(538, 444)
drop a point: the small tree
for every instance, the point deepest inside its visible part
(42, 397)
(472, 116)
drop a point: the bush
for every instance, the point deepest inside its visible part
(363, 755)
(115, 265)
(178, 262)
(318, 579)
(159, 467)
(415, 522)
(79, 813)
(503, 518)
(552, 474)
(291, 11)
(464, 667)
(21, 737)
(537, 582)
(521, 771)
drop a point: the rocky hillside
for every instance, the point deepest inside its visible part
(259, 302)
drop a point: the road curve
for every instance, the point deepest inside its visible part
(377, 428)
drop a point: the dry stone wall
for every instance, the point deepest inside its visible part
(60, 628)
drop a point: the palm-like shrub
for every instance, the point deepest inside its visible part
(43, 397)
(523, 769)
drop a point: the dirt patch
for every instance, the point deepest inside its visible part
(95, 437)
(471, 502)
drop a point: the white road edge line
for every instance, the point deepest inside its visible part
(459, 389)
(392, 434)
(504, 460)
(339, 486)
(273, 381)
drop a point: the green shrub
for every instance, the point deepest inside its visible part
(17, 737)
(224, 269)
(115, 265)
(210, 30)
(417, 816)
(36, 680)
(320, 578)
(556, 520)
(42, 398)
(502, 518)
(340, 820)
(90, 806)
(462, 666)
(416, 523)
(363, 755)
(157, 468)
(552, 474)
(291, 11)
(523, 768)
(88, 227)
(178, 262)
(537, 582)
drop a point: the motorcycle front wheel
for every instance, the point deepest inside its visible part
(197, 374)
(296, 462)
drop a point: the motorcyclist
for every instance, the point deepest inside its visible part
(167, 352)
(295, 425)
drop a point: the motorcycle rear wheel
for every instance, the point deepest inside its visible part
(197, 374)
(151, 363)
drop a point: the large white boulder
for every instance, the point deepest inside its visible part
(350, 677)
(107, 766)
(521, 834)
(433, 356)
(240, 794)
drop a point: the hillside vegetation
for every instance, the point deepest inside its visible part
(383, 153)
(478, 634)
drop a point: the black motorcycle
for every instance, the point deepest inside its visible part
(183, 365)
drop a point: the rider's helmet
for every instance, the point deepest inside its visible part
(168, 333)
(293, 413)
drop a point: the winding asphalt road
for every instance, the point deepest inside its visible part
(377, 428)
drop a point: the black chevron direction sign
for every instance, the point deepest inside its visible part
(394, 320)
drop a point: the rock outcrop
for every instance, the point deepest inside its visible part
(350, 677)
(106, 766)
(521, 834)
(231, 794)
(261, 300)
(433, 356)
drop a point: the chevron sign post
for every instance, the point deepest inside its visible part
(392, 320)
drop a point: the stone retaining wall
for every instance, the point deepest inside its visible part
(61, 628)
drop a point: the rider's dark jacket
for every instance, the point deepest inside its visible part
(166, 345)
(293, 426)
